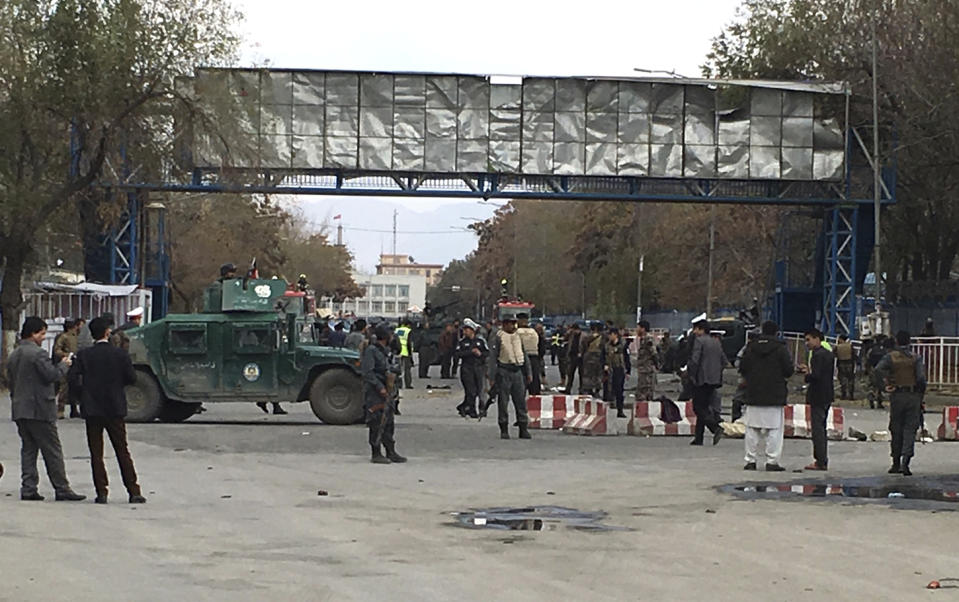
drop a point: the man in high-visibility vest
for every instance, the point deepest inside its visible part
(406, 351)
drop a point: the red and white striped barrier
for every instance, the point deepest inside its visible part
(797, 422)
(551, 411)
(646, 420)
(593, 417)
(949, 430)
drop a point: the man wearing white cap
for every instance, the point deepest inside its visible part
(134, 319)
(472, 353)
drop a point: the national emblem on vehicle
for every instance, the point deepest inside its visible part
(251, 372)
(263, 291)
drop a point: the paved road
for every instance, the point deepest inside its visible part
(233, 514)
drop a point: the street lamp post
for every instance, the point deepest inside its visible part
(639, 291)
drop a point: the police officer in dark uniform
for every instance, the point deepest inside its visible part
(472, 352)
(377, 403)
(904, 377)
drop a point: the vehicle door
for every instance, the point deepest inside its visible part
(249, 358)
(190, 365)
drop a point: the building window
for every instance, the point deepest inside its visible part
(376, 307)
(363, 288)
(377, 290)
(389, 307)
(390, 291)
(404, 291)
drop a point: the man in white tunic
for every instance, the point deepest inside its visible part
(765, 366)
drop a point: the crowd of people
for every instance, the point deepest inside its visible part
(498, 363)
(505, 361)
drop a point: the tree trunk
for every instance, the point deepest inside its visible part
(11, 300)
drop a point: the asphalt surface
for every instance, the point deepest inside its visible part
(233, 513)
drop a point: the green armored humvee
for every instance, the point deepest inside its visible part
(246, 346)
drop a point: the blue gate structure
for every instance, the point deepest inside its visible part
(273, 131)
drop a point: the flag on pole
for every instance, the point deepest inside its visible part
(337, 216)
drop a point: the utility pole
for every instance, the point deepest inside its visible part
(639, 278)
(583, 315)
(709, 274)
(395, 212)
(876, 183)
(515, 256)
(639, 291)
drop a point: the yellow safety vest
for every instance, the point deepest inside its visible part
(403, 334)
(825, 345)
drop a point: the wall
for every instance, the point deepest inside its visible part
(367, 305)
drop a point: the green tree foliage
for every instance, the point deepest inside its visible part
(560, 254)
(918, 66)
(206, 232)
(87, 94)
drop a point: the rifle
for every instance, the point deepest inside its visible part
(387, 406)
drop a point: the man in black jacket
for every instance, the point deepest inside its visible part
(819, 394)
(765, 366)
(100, 374)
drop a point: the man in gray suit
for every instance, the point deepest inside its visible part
(706, 363)
(31, 375)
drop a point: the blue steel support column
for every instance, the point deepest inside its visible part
(123, 245)
(157, 276)
(839, 286)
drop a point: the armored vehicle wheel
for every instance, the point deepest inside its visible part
(144, 399)
(177, 411)
(336, 397)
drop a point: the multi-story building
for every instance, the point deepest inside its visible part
(386, 295)
(403, 265)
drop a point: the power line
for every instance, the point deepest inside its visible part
(409, 231)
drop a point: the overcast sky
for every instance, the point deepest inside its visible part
(518, 37)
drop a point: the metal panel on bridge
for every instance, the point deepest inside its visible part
(467, 124)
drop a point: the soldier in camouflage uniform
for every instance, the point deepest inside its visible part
(66, 345)
(647, 363)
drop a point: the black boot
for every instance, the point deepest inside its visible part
(504, 431)
(377, 457)
(524, 432)
(392, 455)
(471, 411)
(262, 406)
(905, 468)
(461, 408)
(895, 468)
(396, 408)
(278, 411)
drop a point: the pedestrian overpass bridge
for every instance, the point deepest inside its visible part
(275, 131)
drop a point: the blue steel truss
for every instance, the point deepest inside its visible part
(839, 285)
(123, 244)
(840, 201)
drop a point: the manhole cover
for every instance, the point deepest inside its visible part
(889, 489)
(533, 518)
